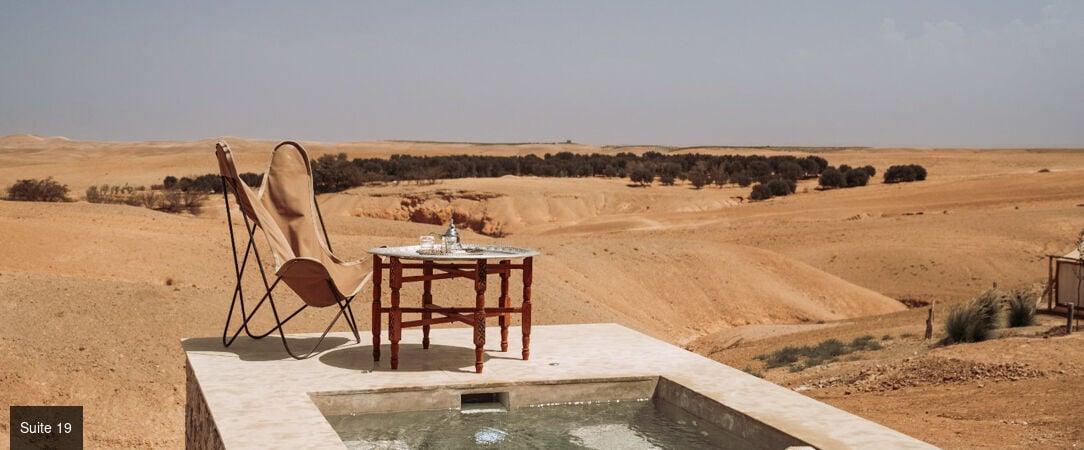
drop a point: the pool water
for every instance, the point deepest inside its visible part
(648, 424)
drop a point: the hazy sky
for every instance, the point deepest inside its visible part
(880, 73)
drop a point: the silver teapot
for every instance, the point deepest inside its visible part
(450, 238)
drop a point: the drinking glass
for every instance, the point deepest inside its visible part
(427, 242)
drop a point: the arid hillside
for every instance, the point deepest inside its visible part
(94, 298)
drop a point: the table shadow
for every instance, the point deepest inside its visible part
(412, 358)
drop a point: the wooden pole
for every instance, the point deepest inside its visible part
(929, 322)
(1069, 318)
(1049, 283)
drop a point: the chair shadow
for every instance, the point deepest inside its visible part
(412, 358)
(267, 349)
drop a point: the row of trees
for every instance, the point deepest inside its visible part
(333, 173)
(774, 176)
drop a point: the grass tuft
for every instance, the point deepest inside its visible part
(1021, 308)
(974, 321)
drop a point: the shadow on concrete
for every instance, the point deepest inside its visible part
(412, 358)
(267, 349)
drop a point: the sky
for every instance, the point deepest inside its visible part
(918, 73)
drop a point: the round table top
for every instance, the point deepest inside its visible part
(469, 253)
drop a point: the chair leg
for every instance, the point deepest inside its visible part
(246, 318)
(351, 321)
(344, 310)
(239, 270)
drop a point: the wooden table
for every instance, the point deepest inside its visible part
(474, 264)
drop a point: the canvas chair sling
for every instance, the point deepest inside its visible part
(285, 209)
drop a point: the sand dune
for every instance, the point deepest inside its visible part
(95, 297)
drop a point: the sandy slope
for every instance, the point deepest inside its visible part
(93, 298)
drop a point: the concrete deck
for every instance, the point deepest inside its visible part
(258, 397)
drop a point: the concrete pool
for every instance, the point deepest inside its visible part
(249, 396)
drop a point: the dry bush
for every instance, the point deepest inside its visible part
(94, 196)
(168, 200)
(31, 190)
(192, 201)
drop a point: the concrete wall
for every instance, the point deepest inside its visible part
(199, 426)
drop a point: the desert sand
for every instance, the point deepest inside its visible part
(94, 298)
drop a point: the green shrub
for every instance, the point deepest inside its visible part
(699, 176)
(202, 183)
(760, 192)
(827, 351)
(742, 179)
(781, 188)
(867, 342)
(790, 170)
(641, 175)
(1021, 308)
(782, 357)
(667, 179)
(856, 177)
(974, 321)
(30, 190)
(907, 173)
(831, 178)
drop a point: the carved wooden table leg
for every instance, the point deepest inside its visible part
(528, 278)
(427, 299)
(479, 313)
(505, 302)
(395, 330)
(377, 271)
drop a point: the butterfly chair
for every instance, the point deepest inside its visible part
(285, 209)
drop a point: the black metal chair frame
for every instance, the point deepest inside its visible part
(240, 264)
